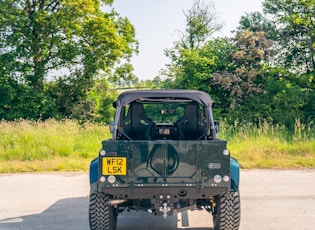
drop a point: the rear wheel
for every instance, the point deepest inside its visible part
(101, 215)
(227, 212)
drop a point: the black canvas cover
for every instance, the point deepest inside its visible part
(129, 96)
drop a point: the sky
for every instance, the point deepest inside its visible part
(157, 23)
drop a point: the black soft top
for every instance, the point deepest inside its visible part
(201, 97)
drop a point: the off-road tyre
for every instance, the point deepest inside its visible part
(101, 216)
(227, 212)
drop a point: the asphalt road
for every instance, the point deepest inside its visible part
(270, 200)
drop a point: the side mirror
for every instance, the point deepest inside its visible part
(217, 126)
(112, 126)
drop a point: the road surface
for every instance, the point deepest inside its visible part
(270, 200)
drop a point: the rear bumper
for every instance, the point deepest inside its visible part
(183, 192)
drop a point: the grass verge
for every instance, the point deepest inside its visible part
(271, 146)
(29, 146)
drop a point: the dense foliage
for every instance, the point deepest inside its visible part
(52, 50)
(264, 72)
(57, 57)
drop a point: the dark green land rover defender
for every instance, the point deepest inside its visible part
(164, 157)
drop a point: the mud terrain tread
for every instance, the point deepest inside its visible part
(227, 214)
(101, 216)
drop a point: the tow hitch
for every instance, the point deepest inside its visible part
(165, 210)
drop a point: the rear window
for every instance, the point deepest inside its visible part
(164, 112)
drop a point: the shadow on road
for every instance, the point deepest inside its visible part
(72, 214)
(67, 214)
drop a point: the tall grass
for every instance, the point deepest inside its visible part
(271, 146)
(49, 146)
(35, 146)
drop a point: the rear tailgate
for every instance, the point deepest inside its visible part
(166, 163)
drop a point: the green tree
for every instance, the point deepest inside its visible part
(294, 21)
(280, 103)
(201, 24)
(20, 101)
(103, 96)
(244, 77)
(69, 96)
(243, 73)
(282, 99)
(191, 63)
(228, 69)
(38, 39)
(256, 21)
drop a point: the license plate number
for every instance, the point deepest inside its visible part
(114, 166)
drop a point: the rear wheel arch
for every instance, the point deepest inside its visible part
(235, 174)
